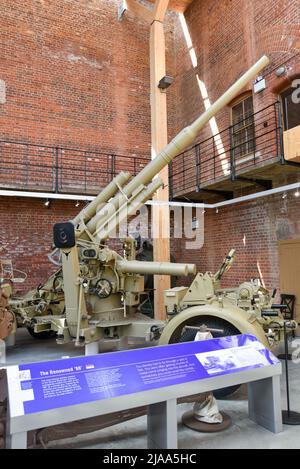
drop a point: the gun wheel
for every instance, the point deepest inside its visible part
(190, 334)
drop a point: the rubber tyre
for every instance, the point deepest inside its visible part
(41, 335)
(189, 336)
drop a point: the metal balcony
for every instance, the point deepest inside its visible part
(248, 154)
(40, 168)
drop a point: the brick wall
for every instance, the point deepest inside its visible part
(227, 38)
(254, 230)
(75, 76)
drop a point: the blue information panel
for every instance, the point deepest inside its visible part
(43, 386)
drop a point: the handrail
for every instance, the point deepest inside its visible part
(222, 155)
(59, 169)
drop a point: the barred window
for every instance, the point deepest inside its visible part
(243, 135)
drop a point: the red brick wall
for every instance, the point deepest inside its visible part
(26, 235)
(76, 76)
(254, 230)
(228, 36)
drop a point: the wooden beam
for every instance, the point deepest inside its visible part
(159, 133)
(139, 10)
(160, 10)
(160, 214)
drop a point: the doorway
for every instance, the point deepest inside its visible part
(289, 271)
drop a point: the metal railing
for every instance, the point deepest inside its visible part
(223, 156)
(33, 167)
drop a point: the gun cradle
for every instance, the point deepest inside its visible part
(250, 300)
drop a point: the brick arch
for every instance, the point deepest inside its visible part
(285, 82)
(245, 94)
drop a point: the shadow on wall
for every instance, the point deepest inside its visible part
(287, 229)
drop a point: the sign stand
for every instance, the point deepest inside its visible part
(289, 417)
(162, 425)
(55, 392)
(189, 418)
(286, 355)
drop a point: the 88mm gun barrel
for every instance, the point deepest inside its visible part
(185, 138)
(107, 193)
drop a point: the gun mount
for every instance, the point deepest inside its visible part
(96, 292)
(246, 309)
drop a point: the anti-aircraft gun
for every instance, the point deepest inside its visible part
(96, 292)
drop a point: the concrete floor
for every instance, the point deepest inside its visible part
(132, 434)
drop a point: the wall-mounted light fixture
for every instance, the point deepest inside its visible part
(165, 82)
(47, 203)
(122, 10)
(77, 203)
(280, 71)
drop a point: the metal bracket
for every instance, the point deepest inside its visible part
(290, 163)
(121, 190)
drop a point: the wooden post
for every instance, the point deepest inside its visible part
(159, 133)
(160, 214)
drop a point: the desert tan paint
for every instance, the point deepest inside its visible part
(289, 268)
(291, 139)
